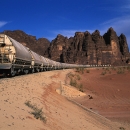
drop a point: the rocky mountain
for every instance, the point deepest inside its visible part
(83, 48)
(37, 45)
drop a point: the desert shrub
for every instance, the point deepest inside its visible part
(80, 70)
(128, 68)
(87, 71)
(38, 113)
(113, 68)
(78, 77)
(73, 82)
(107, 69)
(71, 75)
(121, 128)
(120, 70)
(80, 87)
(77, 69)
(103, 73)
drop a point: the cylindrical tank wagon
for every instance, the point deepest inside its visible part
(14, 57)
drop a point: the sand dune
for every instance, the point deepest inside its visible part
(60, 112)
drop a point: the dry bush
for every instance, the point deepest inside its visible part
(120, 70)
(78, 77)
(80, 70)
(121, 128)
(80, 87)
(128, 68)
(103, 73)
(76, 84)
(87, 71)
(38, 113)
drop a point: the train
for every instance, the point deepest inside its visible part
(16, 58)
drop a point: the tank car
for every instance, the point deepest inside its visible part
(14, 57)
(36, 62)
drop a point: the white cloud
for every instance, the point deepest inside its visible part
(2, 23)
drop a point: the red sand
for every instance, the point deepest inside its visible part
(110, 92)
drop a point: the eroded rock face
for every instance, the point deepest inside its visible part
(37, 45)
(86, 48)
(83, 48)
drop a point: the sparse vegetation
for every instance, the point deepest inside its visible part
(38, 113)
(80, 87)
(128, 68)
(113, 68)
(121, 128)
(103, 73)
(75, 83)
(80, 70)
(87, 71)
(78, 77)
(120, 70)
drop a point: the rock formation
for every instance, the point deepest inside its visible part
(93, 49)
(83, 48)
(37, 45)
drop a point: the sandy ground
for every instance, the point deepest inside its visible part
(60, 112)
(110, 92)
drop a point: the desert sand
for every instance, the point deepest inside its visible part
(64, 107)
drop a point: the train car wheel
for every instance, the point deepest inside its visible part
(31, 71)
(12, 72)
(26, 71)
(4, 75)
(37, 70)
(41, 70)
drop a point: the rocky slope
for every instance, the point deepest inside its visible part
(83, 48)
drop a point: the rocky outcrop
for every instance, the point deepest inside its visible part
(37, 45)
(93, 49)
(83, 48)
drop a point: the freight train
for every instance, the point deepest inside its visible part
(16, 58)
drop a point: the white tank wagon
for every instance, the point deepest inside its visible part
(14, 57)
(45, 63)
(36, 62)
(51, 64)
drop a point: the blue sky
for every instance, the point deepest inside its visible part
(48, 18)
